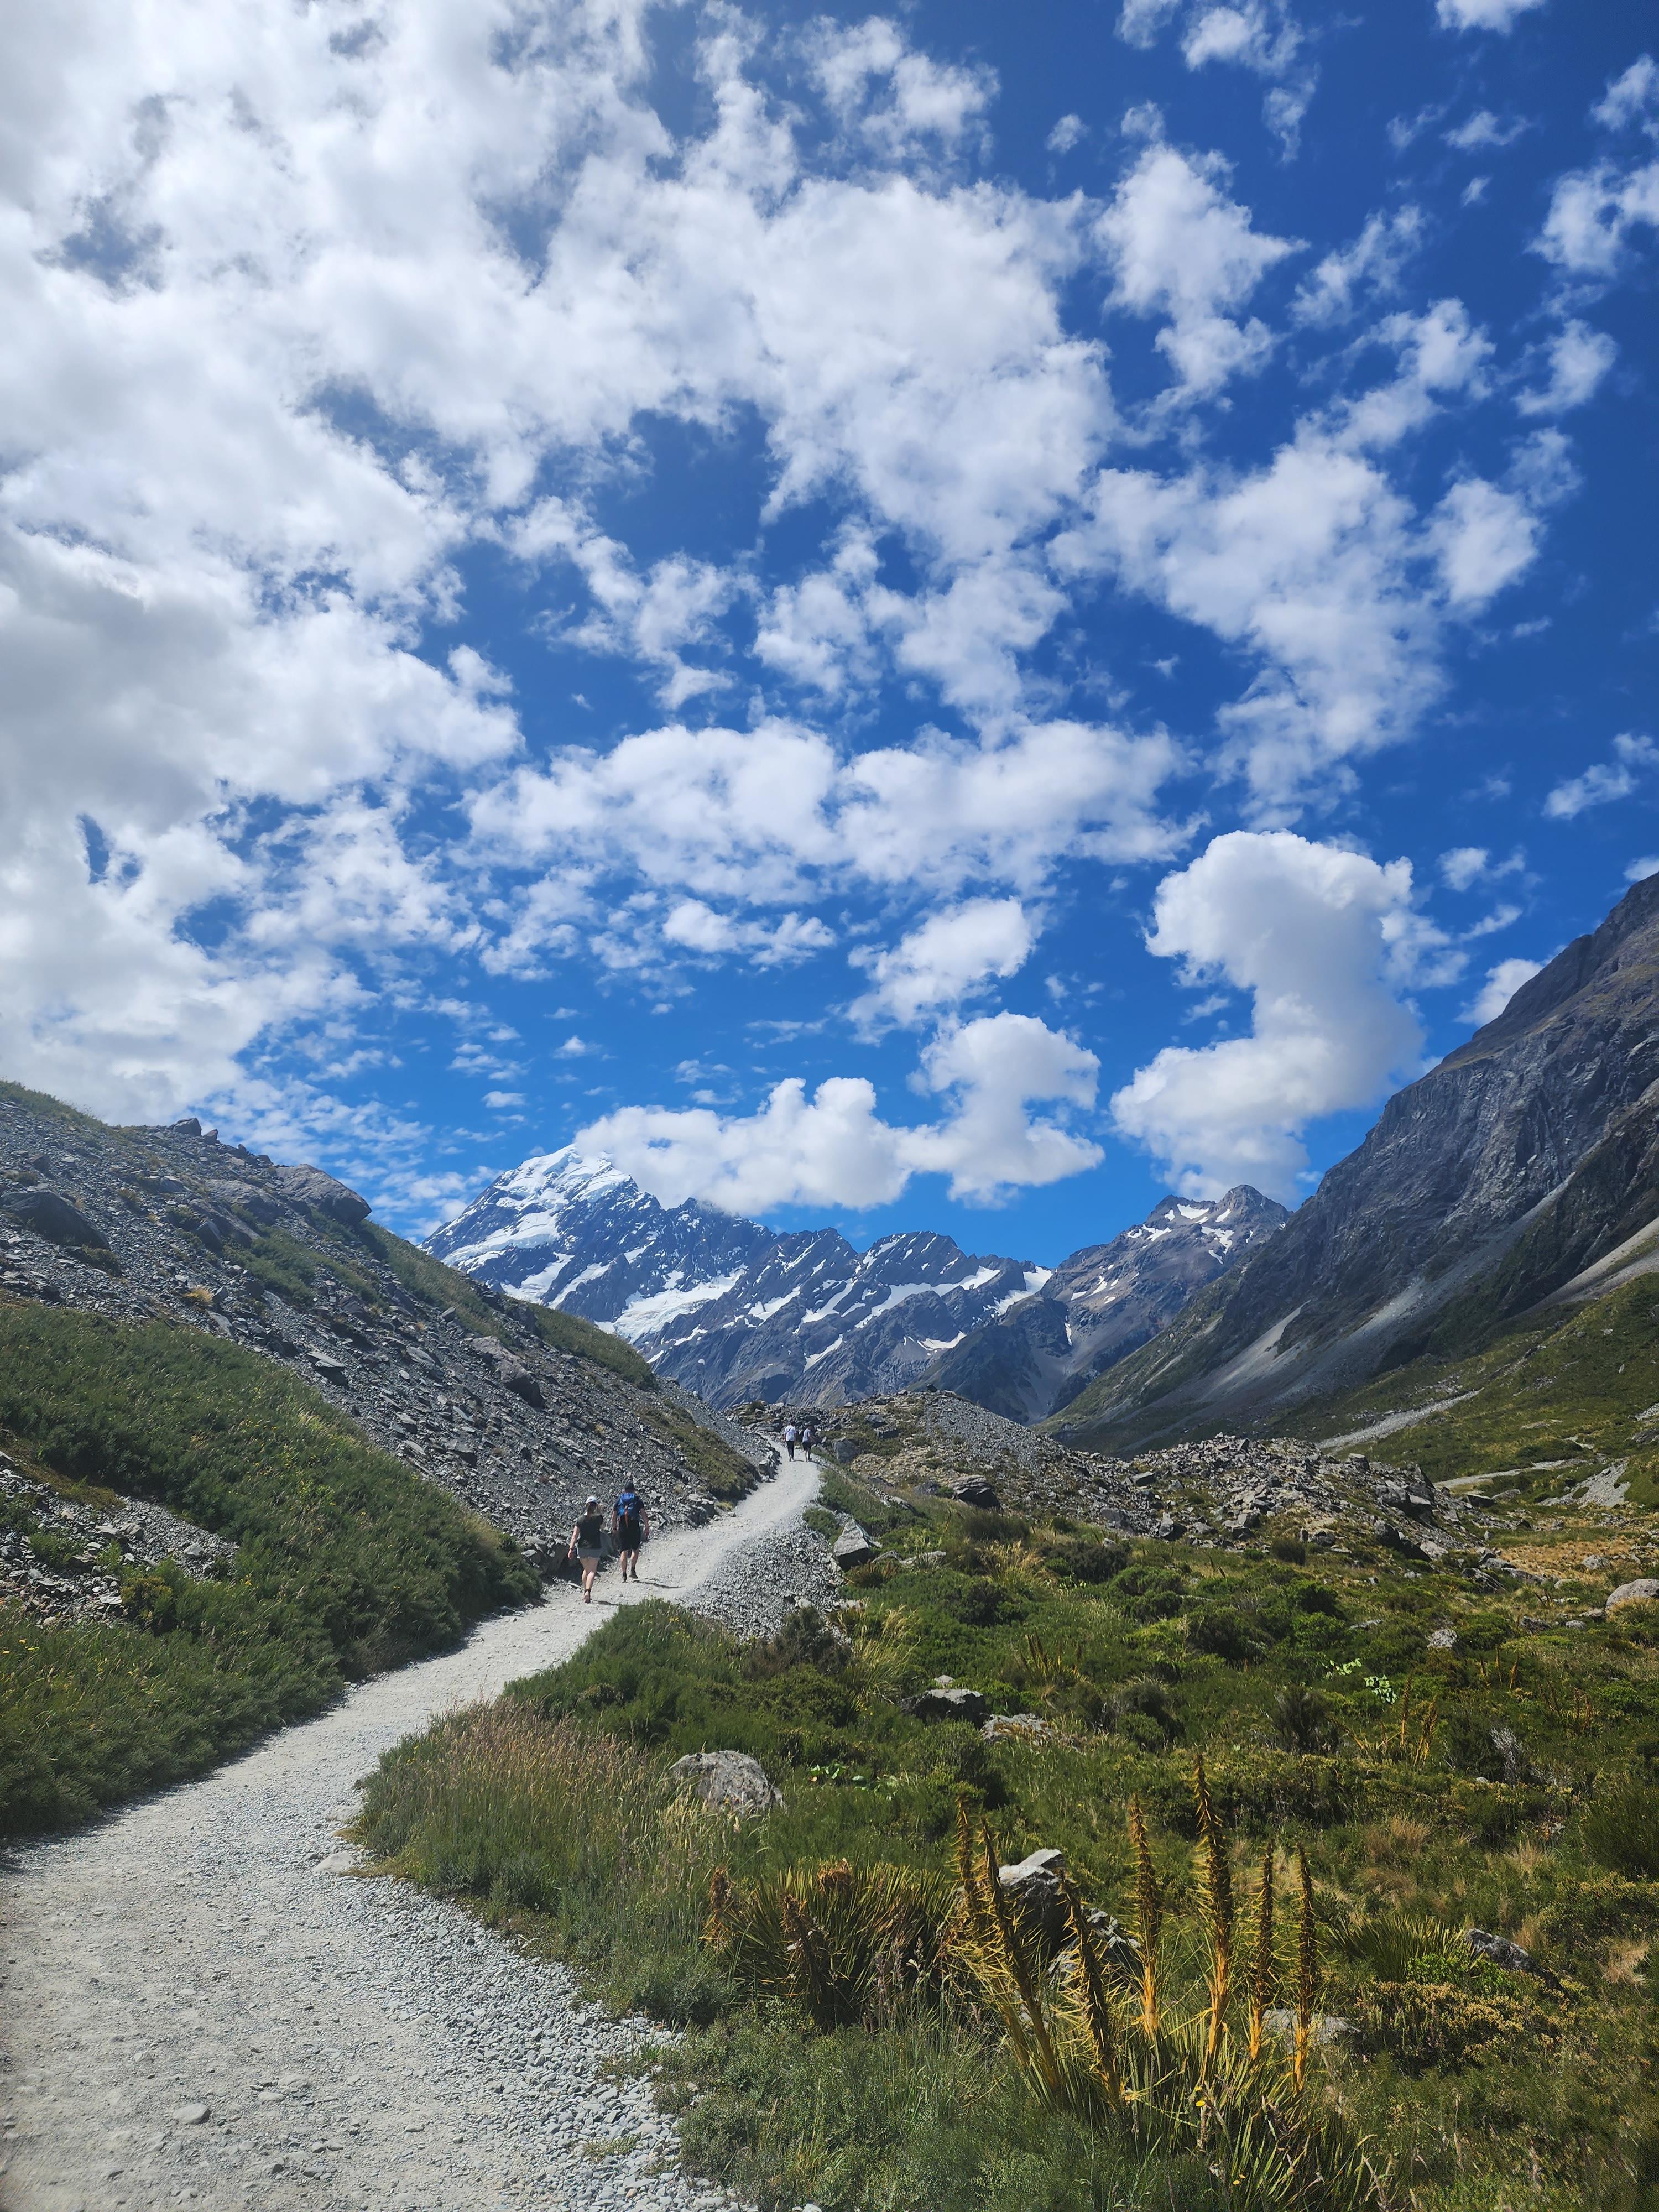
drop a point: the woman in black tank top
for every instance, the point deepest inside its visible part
(587, 1542)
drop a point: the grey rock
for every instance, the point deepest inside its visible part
(1328, 2027)
(973, 1490)
(1499, 1950)
(1443, 1639)
(853, 1547)
(955, 1703)
(309, 1186)
(730, 1780)
(50, 1215)
(1033, 1884)
(1017, 1728)
(845, 1450)
(189, 2116)
(1642, 1591)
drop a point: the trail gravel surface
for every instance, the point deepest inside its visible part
(202, 2003)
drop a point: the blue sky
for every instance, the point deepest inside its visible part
(949, 619)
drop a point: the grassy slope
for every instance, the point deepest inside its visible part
(1484, 2090)
(1567, 1384)
(348, 1561)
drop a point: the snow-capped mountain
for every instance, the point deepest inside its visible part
(1103, 1303)
(736, 1311)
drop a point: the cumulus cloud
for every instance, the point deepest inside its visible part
(1602, 781)
(1180, 248)
(1576, 360)
(1483, 538)
(952, 953)
(834, 1148)
(1594, 211)
(759, 815)
(1501, 985)
(1323, 939)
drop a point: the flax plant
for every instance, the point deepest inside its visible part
(1264, 1973)
(1116, 2056)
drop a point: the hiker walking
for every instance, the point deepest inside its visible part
(809, 1436)
(587, 1542)
(791, 1437)
(630, 1525)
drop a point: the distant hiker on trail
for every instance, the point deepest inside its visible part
(630, 1525)
(809, 1436)
(587, 1542)
(791, 1437)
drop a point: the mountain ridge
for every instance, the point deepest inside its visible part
(1486, 1187)
(736, 1311)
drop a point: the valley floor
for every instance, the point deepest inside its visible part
(203, 2005)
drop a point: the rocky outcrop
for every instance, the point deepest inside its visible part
(1523, 1168)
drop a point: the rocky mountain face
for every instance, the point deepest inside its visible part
(1524, 1168)
(735, 1312)
(473, 1391)
(1097, 1306)
(728, 1308)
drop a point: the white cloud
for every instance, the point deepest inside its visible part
(1466, 866)
(1639, 871)
(893, 98)
(1483, 129)
(1322, 938)
(1070, 130)
(1180, 248)
(1577, 359)
(759, 815)
(1308, 563)
(1594, 211)
(1633, 98)
(954, 952)
(1603, 780)
(834, 1148)
(1501, 985)
(700, 928)
(1483, 538)
(1370, 267)
(1261, 36)
(1499, 16)
(499, 1101)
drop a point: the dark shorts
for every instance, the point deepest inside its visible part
(629, 1536)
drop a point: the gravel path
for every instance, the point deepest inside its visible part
(202, 2006)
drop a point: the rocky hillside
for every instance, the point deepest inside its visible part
(735, 1311)
(1226, 1494)
(515, 1411)
(1097, 1306)
(1521, 1169)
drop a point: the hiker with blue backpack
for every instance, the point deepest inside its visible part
(630, 1525)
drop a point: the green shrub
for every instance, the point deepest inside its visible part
(1620, 1827)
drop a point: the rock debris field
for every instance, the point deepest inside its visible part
(203, 2004)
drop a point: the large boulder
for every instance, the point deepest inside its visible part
(309, 1186)
(973, 1490)
(728, 1780)
(853, 1547)
(1643, 1591)
(1033, 1885)
(50, 1215)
